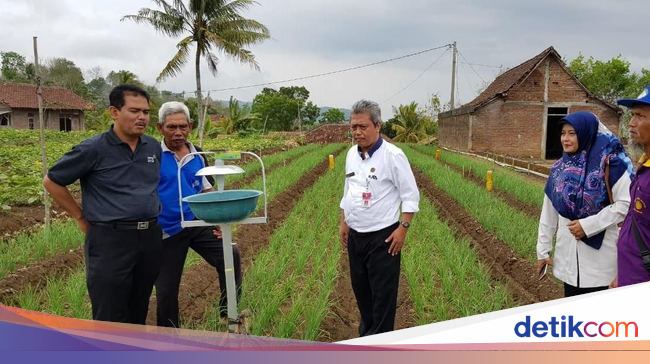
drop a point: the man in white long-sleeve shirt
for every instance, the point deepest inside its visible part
(378, 178)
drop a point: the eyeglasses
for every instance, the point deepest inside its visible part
(354, 127)
(173, 127)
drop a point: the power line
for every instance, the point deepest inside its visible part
(481, 65)
(417, 78)
(470, 66)
(466, 76)
(329, 73)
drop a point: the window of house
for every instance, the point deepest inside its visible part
(65, 123)
(5, 119)
(31, 123)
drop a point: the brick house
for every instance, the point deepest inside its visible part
(518, 113)
(63, 109)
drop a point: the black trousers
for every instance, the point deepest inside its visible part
(121, 268)
(375, 279)
(570, 290)
(202, 241)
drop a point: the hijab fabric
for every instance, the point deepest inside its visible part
(576, 184)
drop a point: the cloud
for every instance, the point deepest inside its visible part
(312, 37)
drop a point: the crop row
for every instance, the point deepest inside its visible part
(445, 278)
(51, 299)
(510, 225)
(289, 284)
(525, 190)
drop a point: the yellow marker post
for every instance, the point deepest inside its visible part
(488, 181)
(438, 154)
(331, 161)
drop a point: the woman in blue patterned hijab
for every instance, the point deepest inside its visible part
(576, 194)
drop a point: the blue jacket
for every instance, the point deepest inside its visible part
(170, 216)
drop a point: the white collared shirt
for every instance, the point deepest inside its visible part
(387, 175)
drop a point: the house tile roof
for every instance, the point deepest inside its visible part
(23, 96)
(513, 77)
(510, 78)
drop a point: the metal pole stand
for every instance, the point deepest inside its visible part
(236, 320)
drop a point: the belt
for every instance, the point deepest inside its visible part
(127, 225)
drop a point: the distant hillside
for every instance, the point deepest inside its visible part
(345, 111)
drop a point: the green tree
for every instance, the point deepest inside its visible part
(410, 126)
(14, 67)
(333, 116)
(609, 80)
(295, 92)
(65, 73)
(240, 119)
(278, 109)
(212, 25)
(121, 77)
(277, 112)
(387, 127)
(309, 113)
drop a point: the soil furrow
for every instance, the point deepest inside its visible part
(529, 210)
(37, 273)
(342, 320)
(253, 176)
(497, 256)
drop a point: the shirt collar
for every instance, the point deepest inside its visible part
(115, 140)
(372, 150)
(165, 148)
(644, 160)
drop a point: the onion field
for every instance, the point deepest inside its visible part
(468, 251)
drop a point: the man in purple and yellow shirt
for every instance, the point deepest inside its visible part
(635, 232)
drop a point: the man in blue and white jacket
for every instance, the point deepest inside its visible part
(175, 125)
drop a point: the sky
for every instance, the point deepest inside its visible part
(311, 37)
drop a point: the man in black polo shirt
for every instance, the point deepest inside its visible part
(119, 172)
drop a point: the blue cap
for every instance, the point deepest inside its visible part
(643, 99)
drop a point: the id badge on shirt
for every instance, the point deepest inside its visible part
(366, 199)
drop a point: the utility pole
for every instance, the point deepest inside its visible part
(453, 75)
(39, 93)
(299, 121)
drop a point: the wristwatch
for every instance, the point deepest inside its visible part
(406, 224)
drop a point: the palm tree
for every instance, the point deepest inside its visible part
(214, 25)
(410, 124)
(123, 76)
(240, 119)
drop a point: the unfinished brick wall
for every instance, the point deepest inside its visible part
(607, 116)
(508, 128)
(514, 123)
(532, 89)
(453, 131)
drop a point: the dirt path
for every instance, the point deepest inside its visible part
(200, 285)
(342, 321)
(503, 263)
(26, 218)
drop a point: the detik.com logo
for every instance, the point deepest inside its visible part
(570, 328)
